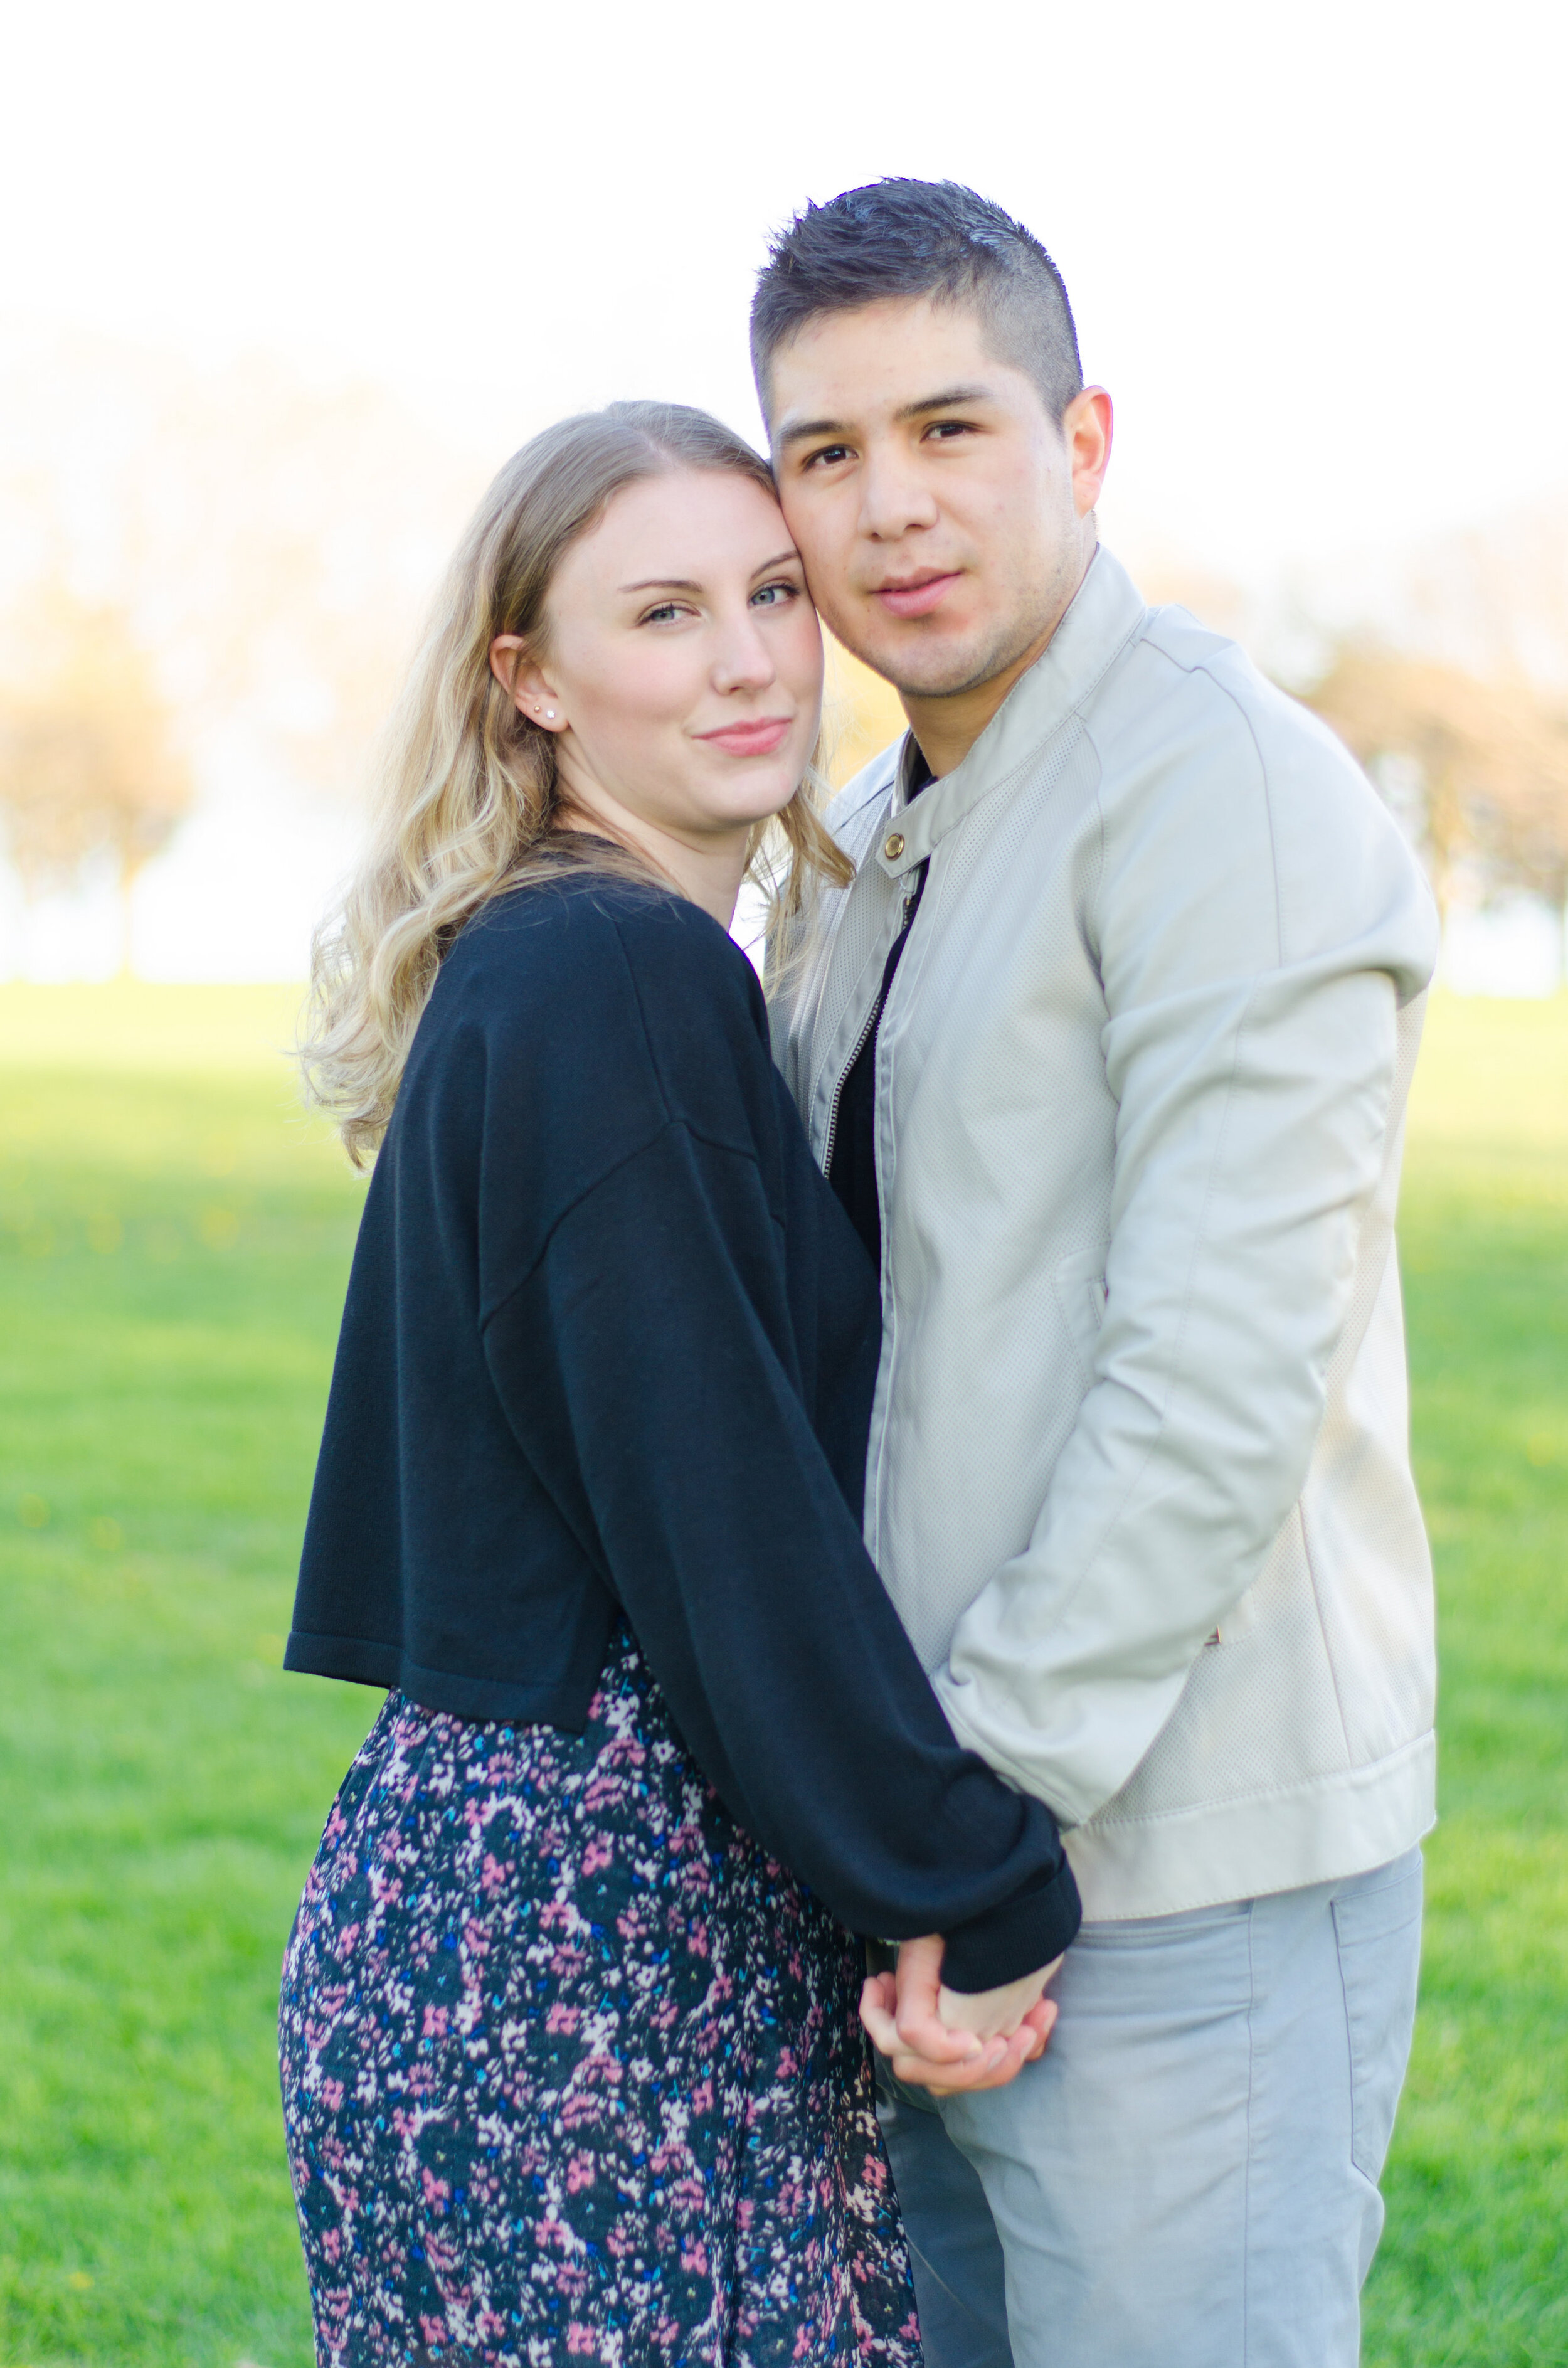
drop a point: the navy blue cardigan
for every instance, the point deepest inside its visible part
(608, 1351)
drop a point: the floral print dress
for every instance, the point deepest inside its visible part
(571, 2070)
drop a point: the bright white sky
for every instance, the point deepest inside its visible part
(1315, 251)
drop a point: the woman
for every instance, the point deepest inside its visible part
(570, 2060)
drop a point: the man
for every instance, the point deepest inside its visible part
(1106, 1050)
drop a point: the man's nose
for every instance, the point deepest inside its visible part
(894, 497)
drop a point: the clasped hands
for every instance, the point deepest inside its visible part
(950, 2040)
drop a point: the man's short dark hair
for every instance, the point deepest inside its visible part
(920, 238)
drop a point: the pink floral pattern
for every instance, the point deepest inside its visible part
(571, 2070)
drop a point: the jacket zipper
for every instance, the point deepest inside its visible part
(871, 1018)
(873, 1021)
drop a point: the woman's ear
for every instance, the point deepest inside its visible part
(525, 683)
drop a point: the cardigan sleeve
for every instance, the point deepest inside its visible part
(646, 1372)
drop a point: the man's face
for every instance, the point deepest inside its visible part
(936, 503)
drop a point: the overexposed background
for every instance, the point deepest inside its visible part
(279, 293)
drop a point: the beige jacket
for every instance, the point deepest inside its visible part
(1139, 1477)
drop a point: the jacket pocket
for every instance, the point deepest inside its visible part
(1377, 1925)
(1079, 1288)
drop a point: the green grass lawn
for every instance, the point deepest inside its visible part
(173, 1245)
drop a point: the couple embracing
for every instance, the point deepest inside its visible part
(885, 1514)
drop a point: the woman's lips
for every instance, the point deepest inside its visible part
(758, 739)
(916, 598)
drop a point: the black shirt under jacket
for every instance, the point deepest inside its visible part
(609, 1347)
(852, 1166)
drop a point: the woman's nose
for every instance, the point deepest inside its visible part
(743, 661)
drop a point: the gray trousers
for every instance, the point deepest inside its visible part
(1189, 2176)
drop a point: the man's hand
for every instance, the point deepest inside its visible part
(986, 2043)
(995, 2013)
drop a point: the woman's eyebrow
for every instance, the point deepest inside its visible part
(686, 583)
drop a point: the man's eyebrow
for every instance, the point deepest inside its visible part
(794, 431)
(951, 398)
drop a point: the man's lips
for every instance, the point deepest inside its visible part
(757, 739)
(916, 596)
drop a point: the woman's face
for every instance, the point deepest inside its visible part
(684, 659)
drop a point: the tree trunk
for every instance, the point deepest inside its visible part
(129, 873)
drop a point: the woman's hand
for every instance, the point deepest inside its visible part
(987, 2041)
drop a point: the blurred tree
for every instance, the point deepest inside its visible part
(276, 542)
(1493, 759)
(89, 764)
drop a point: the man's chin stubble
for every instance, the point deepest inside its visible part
(954, 674)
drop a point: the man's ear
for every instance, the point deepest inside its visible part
(1088, 427)
(525, 683)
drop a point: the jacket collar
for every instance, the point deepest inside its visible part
(1101, 618)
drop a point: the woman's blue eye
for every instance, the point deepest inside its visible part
(773, 594)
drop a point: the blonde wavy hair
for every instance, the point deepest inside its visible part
(469, 804)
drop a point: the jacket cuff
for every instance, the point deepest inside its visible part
(1018, 1937)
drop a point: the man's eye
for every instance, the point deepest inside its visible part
(947, 429)
(827, 454)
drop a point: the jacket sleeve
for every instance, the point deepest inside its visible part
(641, 1368)
(1261, 931)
